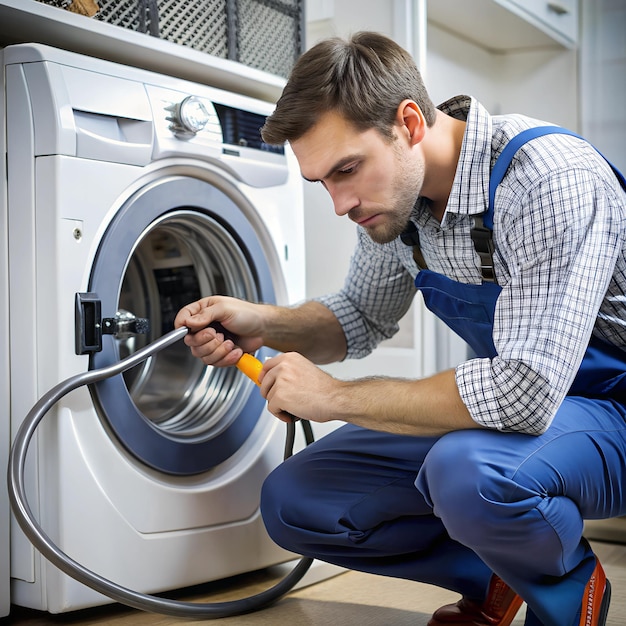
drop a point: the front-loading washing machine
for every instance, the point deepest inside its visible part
(130, 194)
(5, 433)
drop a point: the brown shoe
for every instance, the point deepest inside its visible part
(596, 599)
(498, 609)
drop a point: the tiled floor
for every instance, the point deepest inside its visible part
(349, 599)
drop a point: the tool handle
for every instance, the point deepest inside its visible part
(250, 366)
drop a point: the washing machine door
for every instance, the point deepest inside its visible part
(176, 240)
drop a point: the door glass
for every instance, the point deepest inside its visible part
(182, 257)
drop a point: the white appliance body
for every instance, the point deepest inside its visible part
(5, 432)
(151, 479)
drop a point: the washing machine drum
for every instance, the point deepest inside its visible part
(175, 241)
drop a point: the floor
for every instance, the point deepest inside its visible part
(348, 599)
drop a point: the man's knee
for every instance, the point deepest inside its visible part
(464, 488)
(273, 499)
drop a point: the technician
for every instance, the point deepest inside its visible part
(476, 479)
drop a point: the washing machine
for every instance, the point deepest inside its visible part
(130, 194)
(5, 436)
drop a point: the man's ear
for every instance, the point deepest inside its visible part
(411, 120)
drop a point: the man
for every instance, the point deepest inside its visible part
(475, 479)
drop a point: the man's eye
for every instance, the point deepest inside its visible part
(347, 170)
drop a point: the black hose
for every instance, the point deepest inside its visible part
(45, 545)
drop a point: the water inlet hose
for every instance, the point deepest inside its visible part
(251, 367)
(45, 545)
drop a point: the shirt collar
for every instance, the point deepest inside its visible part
(470, 189)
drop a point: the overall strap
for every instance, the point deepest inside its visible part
(481, 233)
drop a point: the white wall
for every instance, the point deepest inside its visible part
(603, 68)
(344, 17)
(541, 83)
(456, 66)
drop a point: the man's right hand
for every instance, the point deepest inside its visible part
(208, 318)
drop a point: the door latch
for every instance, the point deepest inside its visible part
(90, 325)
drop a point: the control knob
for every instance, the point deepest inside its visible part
(189, 116)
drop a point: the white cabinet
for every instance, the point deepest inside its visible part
(557, 18)
(509, 25)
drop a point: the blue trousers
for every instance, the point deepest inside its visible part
(452, 510)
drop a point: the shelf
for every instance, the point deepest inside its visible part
(28, 21)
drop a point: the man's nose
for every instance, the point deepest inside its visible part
(344, 200)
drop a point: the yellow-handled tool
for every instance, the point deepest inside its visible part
(250, 366)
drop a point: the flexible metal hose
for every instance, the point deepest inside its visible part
(41, 541)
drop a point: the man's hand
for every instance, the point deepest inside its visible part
(295, 387)
(232, 320)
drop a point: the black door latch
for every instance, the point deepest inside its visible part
(90, 325)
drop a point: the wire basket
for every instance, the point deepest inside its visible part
(264, 34)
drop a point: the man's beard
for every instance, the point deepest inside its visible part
(407, 184)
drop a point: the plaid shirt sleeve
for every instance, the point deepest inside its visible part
(377, 292)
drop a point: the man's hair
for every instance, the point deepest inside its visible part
(364, 79)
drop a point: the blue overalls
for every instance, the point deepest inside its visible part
(485, 501)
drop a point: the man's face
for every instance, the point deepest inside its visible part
(372, 180)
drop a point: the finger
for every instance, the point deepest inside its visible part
(185, 314)
(197, 315)
(220, 329)
(268, 366)
(212, 348)
(268, 381)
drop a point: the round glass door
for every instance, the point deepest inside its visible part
(172, 412)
